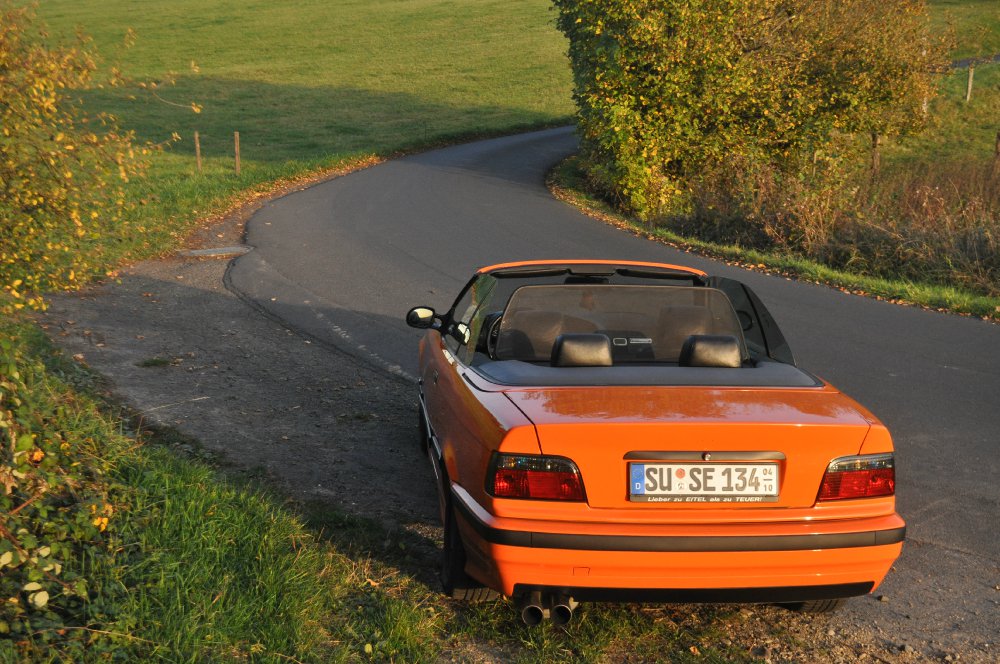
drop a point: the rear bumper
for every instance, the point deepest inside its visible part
(768, 595)
(801, 562)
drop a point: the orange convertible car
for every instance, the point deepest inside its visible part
(640, 432)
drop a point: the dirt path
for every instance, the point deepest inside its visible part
(181, 349)
(326, 427)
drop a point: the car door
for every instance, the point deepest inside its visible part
(452, 409)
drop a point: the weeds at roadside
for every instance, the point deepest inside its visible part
(566, 183)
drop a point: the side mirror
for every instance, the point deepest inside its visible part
(421, 317)
(746, 320)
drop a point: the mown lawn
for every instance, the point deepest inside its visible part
(975, 25)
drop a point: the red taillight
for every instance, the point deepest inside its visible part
(859, 477)
(537, 477)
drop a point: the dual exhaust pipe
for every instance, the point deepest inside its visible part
(536, 607)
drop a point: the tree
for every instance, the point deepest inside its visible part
(62, 173)
(669, 89)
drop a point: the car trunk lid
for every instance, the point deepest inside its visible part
(722, 437)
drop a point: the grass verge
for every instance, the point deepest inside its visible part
(566, 182)
(188, 566)
(195, 566)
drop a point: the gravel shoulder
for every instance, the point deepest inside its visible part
(186, 353)
(321, 425)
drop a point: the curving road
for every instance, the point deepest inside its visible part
(344, 260)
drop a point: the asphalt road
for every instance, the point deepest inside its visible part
(344, 260)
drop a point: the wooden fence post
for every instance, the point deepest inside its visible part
(996, 156)
(197, 151)
(968, 88)
(236, 140)
(925, 105)
(876, 158)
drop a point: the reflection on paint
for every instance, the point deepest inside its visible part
(680, 404)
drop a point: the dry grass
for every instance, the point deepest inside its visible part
(939, 224)
(930, 216)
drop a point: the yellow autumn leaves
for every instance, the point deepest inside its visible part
(668, 89)
(62, 173)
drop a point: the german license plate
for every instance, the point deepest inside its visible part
(703, 483)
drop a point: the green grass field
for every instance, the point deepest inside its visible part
(311, 86)
(975, 25)
(327, 79)
(958, 130)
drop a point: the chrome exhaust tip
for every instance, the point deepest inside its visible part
(532, 612)
(532, 615)
(536, 607)
(562, 610)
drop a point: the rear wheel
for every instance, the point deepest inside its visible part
(455, 582)
(817, 605)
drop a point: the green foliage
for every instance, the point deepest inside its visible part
(62, 173)
(666, 90)
(56, 499)
(929, 213)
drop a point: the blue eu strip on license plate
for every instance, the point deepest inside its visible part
(637, 472)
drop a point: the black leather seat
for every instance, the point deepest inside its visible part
(528, 335)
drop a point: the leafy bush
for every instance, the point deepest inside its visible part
(55, 497)
(669, 89)
(62, 173)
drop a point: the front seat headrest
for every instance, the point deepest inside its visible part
(710, 350)
(581, 350)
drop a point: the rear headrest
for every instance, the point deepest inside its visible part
(581, 350)
(709, 350)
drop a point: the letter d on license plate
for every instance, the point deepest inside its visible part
(703, 482)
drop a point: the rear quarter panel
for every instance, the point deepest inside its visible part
(469, 424)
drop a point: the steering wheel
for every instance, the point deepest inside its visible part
(493, 334)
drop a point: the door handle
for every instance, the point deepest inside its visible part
(435, 377)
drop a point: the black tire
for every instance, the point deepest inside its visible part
(455, 582)
(817, 605)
